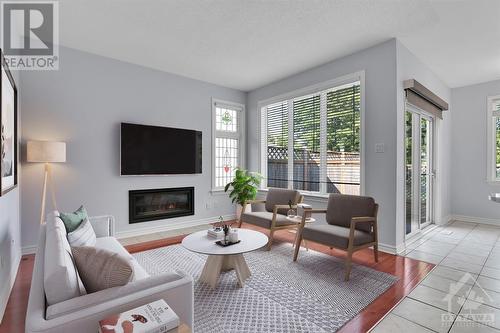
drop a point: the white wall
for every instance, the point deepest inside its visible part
(10, 240)
(409, 67)
(469, 187)
(379, 64)
(83, 104)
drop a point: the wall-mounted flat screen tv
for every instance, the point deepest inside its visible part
(154, 150)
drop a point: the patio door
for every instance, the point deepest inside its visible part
(419, 170)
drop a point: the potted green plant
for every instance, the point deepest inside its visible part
(243, 187)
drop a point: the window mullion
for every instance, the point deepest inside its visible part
(228, 135)
(290, 143)
(323, 145)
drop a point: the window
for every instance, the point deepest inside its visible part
(494, 138)
(312, 142)
(227, 142)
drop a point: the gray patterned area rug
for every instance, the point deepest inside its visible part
(280, 296)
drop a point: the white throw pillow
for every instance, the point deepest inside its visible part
(61, 281)
(84, 235)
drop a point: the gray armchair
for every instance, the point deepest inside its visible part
(352, 226)
(274, 215)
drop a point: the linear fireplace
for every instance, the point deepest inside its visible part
(157, 204)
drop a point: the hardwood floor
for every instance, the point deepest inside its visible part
(409, 271)
(15, 313)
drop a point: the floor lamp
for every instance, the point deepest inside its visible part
(46, 152)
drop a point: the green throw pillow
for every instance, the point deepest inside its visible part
(73, 220)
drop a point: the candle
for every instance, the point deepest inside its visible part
(233, 236)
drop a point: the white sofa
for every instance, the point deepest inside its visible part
(82, 314)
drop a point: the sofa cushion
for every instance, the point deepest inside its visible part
(335, 236)
(61, 281)
(112, 244)
(73, 220)
(84, 235)
(279, 196)
(101, 269)
(263, 219)
(341, 208)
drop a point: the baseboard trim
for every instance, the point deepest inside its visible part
(444, 220)
(30, 249)
(171, 226)
(474, 219)
(7, 287)
(391, 249)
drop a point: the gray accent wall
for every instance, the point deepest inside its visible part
(469, 188)
(83, 104)
(379, 65)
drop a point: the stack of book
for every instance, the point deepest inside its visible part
(216, 233)
(155, 317)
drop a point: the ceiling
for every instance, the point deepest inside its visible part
(248, 44)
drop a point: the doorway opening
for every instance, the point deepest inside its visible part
(419, 170)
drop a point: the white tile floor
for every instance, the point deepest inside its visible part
(462, 293)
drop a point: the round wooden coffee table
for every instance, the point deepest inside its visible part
(224, 258)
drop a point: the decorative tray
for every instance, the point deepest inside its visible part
(220, 243)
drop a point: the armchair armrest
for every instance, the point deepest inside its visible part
(249, 202)
(316, 211)
(359, 219)
(276, 207)
(254, 201)
(363, 219)
(104, 225)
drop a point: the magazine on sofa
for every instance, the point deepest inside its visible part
(155, 317)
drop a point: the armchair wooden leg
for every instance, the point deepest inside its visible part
(375, 252)
(297, 247)
(240, 222)
(270, 243)
(348, 264)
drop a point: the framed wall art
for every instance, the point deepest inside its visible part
(8, 129)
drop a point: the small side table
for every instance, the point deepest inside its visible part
(495, 197)
(298, 220)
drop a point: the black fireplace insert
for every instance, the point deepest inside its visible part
(158, 204)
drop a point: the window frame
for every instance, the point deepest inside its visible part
(301, 93)
(241, 136)
(491, 140)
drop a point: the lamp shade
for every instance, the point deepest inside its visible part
(46, 151)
